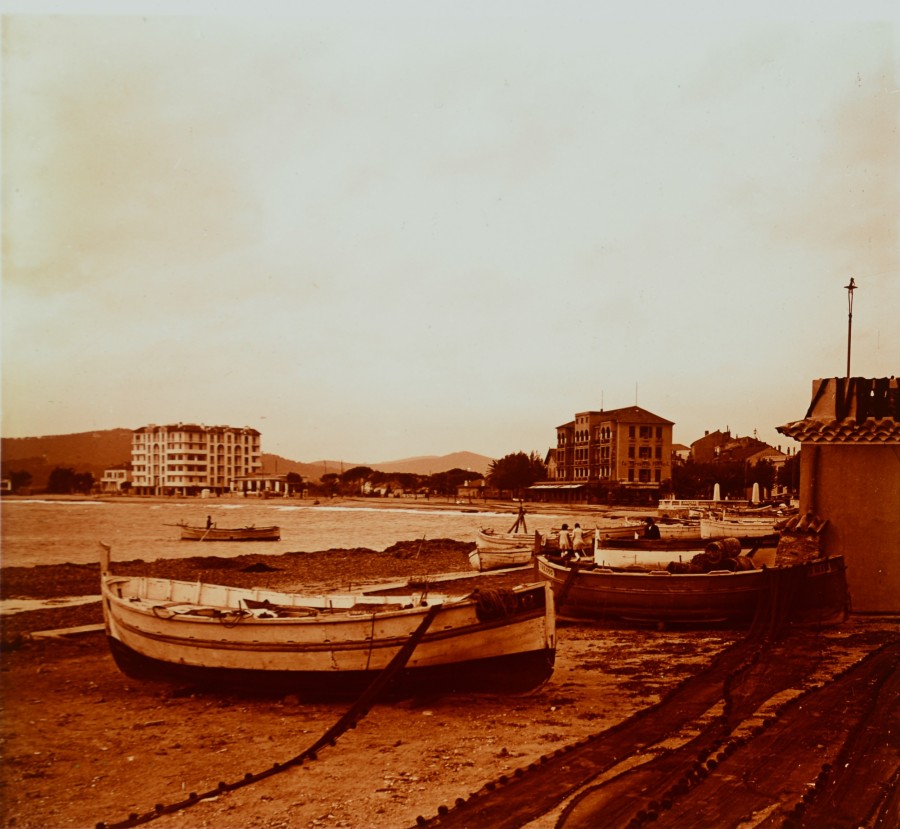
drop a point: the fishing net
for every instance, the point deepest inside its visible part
(494, 603)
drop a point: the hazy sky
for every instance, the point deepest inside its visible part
(443, 226)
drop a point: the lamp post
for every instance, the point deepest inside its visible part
(850, 289)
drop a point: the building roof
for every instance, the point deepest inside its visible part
(856, 410)
(195, 427)
(628, 414)
(882, 430)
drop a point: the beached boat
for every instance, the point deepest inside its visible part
(488, 540)
(214, 533)
(678, 529)
(623, 529)
(655, 554)
(716, 597)
(738, 527)
(327, 646)
(481, 559)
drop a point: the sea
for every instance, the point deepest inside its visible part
(36, 531)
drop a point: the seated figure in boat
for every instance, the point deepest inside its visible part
(651, 531)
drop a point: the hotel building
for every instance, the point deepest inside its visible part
(184, 459)
(630, 448)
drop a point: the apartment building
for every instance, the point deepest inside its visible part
(185, 458)
(115, 480)
(628, 447)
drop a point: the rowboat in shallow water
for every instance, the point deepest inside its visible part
(327, 646)
(213, 533)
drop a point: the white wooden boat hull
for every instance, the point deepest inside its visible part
(482, 560)
(630, 529)
(679, 531)
(748, 528)
(324, 646)
(656, 559)
(489, 541)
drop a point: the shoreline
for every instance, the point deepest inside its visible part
(438, 503)
(83, 743)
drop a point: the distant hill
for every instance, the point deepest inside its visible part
(95, 452)
(84, 452)
(431, 464)
(423, 465)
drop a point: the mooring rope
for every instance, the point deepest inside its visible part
(348, 721)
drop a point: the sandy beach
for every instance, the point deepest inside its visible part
(83, 744)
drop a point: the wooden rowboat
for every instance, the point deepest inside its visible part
(494, 542)
(678, 529)
(717, 597)
(214, 533)
(482, 560)
(738, 527)
(327, 646)
(659, 553)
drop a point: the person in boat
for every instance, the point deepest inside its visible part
(651, 531)
(208, 521)
(565, 543)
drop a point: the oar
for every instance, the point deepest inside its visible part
(567, 585)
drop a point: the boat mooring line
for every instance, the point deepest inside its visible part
(348, 721)
(713, 745)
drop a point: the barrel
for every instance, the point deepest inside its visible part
(723, 548)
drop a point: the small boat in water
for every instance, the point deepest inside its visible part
(327, 646)
(213, 533)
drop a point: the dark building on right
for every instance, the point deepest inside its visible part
(850, 475)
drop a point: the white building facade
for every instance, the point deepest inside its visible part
(185, 459)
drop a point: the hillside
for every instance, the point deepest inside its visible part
(423, 465)
(96, 451)
(84, 452)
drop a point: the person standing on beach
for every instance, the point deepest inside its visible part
(565, 543)
(577, 540)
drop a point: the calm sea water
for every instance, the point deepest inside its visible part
(55, 532)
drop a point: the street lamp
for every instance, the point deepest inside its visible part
(850, 289)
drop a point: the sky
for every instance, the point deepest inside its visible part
(380, 231)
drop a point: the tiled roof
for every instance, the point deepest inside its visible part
(848, 430)
(628, 414)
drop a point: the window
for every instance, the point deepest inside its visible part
(659, 452)
(630, 451)
(644, 476)
(659, 432)
(646, 432)
(644, 452)
(631, 431)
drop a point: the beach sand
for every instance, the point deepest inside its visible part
(84, 744)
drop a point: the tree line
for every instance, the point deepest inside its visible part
(509, 476)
